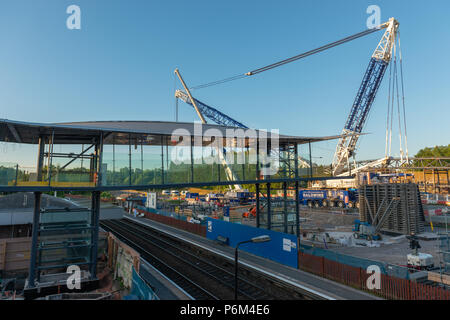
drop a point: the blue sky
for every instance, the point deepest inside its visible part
(119, 66)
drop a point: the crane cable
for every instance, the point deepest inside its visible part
(285, 61)
(403, 96)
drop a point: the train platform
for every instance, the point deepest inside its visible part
(321, 287)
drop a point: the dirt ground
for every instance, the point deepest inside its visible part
(394, 253)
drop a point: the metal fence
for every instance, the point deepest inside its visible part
(390, 287)
(385, 268)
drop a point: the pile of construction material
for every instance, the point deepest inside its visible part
(392, 207)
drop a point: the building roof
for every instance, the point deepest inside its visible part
(121, 131)
(17, 208)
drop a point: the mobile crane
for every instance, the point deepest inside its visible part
(365, 97)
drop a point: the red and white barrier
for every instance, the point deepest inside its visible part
(435, 212)
(442, 202)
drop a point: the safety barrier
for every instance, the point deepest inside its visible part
(281, 248)
(357, 262)
(390, 287)
(173, 222)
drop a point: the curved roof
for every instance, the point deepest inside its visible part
(122, 131)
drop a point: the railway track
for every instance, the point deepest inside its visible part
(201, 278)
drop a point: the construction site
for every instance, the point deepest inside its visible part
(157, 210)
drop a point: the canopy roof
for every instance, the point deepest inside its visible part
(150, 132)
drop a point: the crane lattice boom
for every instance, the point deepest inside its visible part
(366, 95)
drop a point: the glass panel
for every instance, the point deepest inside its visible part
(152, 165)
(121, 172)
(17, 164)
(178, 162)
(64, 238)
(136, 162)
(69, 168)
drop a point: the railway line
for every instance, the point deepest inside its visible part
(203, 275)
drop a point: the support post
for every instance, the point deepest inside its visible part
(95, 217)
(285, 207)
(129, 159)
(17, 174)
(162, 160)
(257, 159)
(40, 161)
(310, 161)
(297, 212)
(258, 211)
(99, 152)
(192, 159)
(34, 239)
(269, 213)
(50, 156)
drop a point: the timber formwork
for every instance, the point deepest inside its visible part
(395, 207)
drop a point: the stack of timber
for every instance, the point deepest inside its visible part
(397, 207)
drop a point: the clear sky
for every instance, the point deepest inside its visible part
(119, 65)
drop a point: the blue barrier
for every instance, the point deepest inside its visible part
(282, 248)
(140, 290)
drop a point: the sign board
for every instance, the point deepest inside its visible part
(226, 213)
(151, 200)
(281, 248)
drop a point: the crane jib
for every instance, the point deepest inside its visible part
(366, 95)
(217, 116)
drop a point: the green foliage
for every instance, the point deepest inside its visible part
(434, 152)
(437, 151)
(106, 194)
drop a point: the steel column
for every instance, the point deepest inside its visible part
(310, 161)
(269, 213)
(162, 160)
(34, 239)
(192, 159)
(129, 159)
(285, 207)
(95, 217)
(258, 211)
(99, 152)
(297, 211)
(40, 161)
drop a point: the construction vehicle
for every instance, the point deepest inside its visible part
(329, 198)
(365, 97)
(364, 230)
(250, 213)
(239, 196)
(417, 260)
